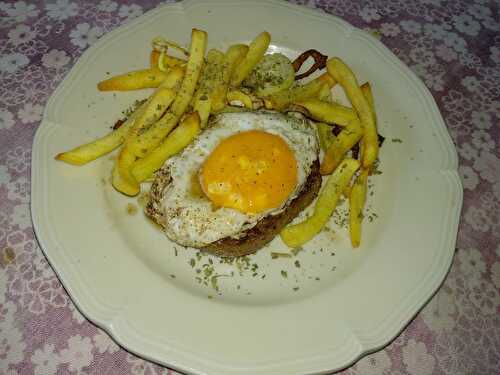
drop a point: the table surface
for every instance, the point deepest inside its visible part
(453, 46)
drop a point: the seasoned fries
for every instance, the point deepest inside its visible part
(85, 153)
(282, 99)
(188, 91)
(325, 135)
(298, 234)
(256, 51)
(211, 79)
(166, 60)
(331, 113)
(232, 58)
(151, 138)
(342, 143)
(138, 79)
(357, 198)
(343, 74)
(175, 142)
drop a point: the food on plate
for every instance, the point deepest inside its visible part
(90, 151)
(123, 179)
(138, 79)
(280, 100)
(235, 143)
(343, 142)
(272, 74)
(298, 234)
(346, 78)
(319, 63)
(240, 181)
(329, 112)
(357, 199)
(179, 138)
(154, 135)
(256, 51)
(233, 57)
(325, 135)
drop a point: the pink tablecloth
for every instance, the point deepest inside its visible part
(454, 46)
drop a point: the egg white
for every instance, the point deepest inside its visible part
(191, 220)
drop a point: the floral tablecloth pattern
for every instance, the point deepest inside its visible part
(453, 46)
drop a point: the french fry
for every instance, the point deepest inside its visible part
(203, 107)
(325, 134)
(152, 137)
(343, 142)
(298, 234)
(122, 178)
(343, 74)
(331, 113)
(179, 138)
(256, 51)
(282, 99)
(357, 198)
(240, 96)
(211, 75)
(88, 152)
(232, 58)
(156, 105)
(193, 72)
(135, 80)
(173, 78)
(168, 61)
(154, 108)
(325, 94)
(211, 78)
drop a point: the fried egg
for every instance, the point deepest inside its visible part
(243, 167)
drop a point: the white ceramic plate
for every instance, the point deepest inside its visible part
(125, 276)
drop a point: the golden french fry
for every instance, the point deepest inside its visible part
(88, 152)
(240, 96)
(366, 89)
(152, 137)
(173, 78)
(156, 105)
(282, 99)
(211, 74)
(203, 107)
(179, 138)
(325, 134)
(211, 78)
(168, 61)
(256, 51)
(343, 142)
(367, 92)
(123, 180)
(154, 108)
(153, 59)
(298, 234)
(232, 58)
(138, 79)
(343, 74)
(357, 198)
(331, 113)
(193, 72)
(325, 94)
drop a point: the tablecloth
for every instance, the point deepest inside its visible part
(453, 46)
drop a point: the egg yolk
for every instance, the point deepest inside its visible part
(251, 171)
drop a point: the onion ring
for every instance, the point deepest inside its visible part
(319, 63)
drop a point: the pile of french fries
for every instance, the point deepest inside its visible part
(188, 89)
